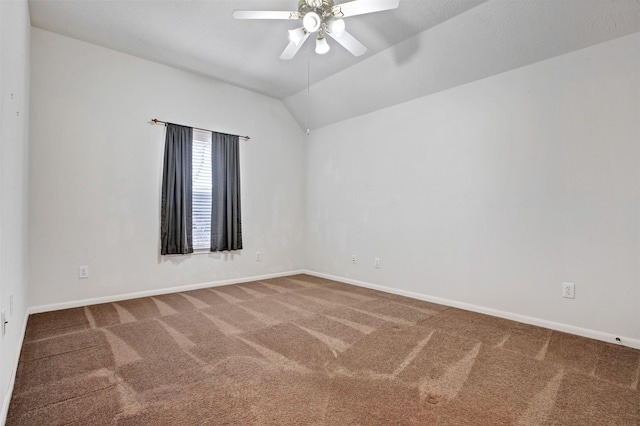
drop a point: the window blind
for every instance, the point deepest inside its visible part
(201, 183)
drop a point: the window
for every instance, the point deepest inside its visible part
(200, 207)
(201, 184)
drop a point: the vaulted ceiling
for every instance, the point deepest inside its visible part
(422, 47)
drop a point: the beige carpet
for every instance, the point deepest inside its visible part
(307, 351)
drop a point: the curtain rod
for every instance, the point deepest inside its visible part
(156, 121)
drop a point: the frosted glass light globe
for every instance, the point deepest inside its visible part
(311, 22)
(336, 27)
(322, 46)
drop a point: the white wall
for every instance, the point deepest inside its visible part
(489, 195)
(96, 166)
(493, 194)
(14, 121)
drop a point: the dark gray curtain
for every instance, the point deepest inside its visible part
(176, 191)
(226, 223)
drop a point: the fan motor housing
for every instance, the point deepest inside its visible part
(324, 8)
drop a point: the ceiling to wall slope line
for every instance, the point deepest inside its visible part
(202, 37)
(420, 48)
(446, 56)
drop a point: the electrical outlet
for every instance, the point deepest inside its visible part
(376, 262)
(83, 272)
(569, 290)
(354, 259)
(258, 256)
(3, 320)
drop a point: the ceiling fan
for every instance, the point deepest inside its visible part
(321, 17)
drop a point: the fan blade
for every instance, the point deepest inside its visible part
(290, 51)
(360, 7)
(350, 43)
(264, 14)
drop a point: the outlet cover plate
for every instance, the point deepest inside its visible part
(569, 290)
(83, 272)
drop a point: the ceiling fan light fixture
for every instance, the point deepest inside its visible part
(311, 22)
(297, 35)
(323, 17)
(322, 46)
(336, 27)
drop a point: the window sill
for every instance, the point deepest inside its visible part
(201, 251)
(195, 251)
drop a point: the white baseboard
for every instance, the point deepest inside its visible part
(14, 370)
(593, 334)
(598, 335)
(135, 295)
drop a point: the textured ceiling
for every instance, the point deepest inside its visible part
(422, 47)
